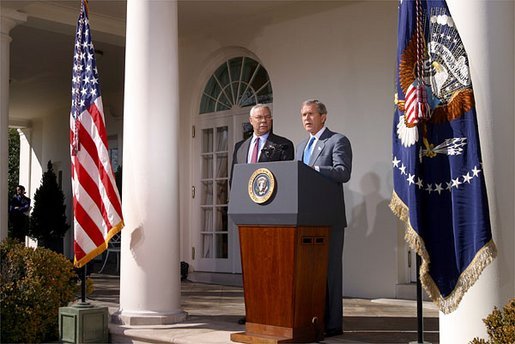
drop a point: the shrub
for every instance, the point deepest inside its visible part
(34, 283)
(500, 325)
(48, 218)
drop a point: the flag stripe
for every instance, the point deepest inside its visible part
(90, 168)
(86, 244)
(88, 191)
(85, 221)
(91, 200)
(97, 149)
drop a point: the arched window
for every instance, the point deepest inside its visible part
(239, 81)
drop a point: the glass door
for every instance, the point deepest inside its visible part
(215, 237)
(214, 190)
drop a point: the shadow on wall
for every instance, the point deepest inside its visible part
(370, 259)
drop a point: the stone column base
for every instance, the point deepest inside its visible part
(133, 319)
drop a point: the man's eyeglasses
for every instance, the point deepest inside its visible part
(262, 118)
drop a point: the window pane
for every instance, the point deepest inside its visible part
(212, 88)
(236, 82)
(247, 96)
(221, 165)
(260, 79)
(207, 166)
(223, 103)
(235, 67)
(207, 140)
(221, 219)
(222, 74)
(207, 220)
(249, 66)
(207, 244)
(221, 192)
(265, 95)
(207, 193)
(207, 104)
(221, 106)
(221, 246)
(221, 139)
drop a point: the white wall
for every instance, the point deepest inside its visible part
(346, 58)
(49, 140)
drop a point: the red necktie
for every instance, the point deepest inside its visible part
(254, 159)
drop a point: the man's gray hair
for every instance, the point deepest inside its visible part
(259, 106)
(320, 106)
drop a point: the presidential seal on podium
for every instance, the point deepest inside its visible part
(261, 185)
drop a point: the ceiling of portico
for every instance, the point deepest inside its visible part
(41, 48)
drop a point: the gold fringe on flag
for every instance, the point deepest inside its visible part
(471, 274)
(101, 248)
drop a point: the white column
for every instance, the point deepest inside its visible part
(25, 171)
(150, 268)
(8, 20)
(487, 31)
(26, 160)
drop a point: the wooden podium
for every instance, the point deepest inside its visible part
(284, 241)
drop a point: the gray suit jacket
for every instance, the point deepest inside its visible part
(333, 156)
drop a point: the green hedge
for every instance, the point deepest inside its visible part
(34, 284)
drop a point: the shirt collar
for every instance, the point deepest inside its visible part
(264, 137)
(319, 133)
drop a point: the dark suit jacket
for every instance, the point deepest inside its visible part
(276, 148)
(333, 156)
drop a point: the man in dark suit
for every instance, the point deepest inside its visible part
(263, 145)
(19, 207)
(330, 154)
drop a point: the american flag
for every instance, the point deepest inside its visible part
(96, 201)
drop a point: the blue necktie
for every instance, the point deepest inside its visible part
(307, 151)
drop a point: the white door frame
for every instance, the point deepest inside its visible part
(233, 120)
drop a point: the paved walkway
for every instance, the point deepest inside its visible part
(214, 310)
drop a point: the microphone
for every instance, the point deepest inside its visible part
(274, 151)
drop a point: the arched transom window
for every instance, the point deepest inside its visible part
(239, 81)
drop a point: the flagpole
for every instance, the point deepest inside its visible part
(420, 317)
(83, 284)
(82, 273)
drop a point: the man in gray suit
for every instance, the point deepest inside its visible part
(330, 154)
(263, 145)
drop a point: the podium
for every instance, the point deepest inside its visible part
(284, 211)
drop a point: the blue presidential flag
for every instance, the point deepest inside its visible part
(439, 186)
